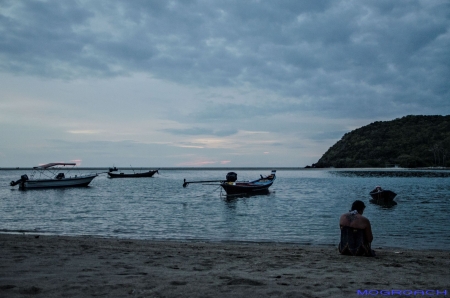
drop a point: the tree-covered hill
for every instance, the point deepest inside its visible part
(411, 141)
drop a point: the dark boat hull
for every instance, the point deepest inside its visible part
(245, 188)
(384, 196)
(259, 186)
(134, 175)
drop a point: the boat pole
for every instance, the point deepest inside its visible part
(186, 183)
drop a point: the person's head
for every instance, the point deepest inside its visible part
(358, 206)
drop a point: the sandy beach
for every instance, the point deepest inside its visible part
(59, 266)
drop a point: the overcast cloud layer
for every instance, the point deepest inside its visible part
(235, 83)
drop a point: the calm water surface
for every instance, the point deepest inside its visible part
(303, 207)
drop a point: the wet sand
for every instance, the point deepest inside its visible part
(57, 266)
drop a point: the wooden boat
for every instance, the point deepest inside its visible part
(382, 196)
(132, 175)
(234, 187)
(258, 186)
(51, 176)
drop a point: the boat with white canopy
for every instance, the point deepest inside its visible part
(54, 175)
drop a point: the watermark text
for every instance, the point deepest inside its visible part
(402, 292)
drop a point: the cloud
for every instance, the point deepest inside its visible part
(84, 131)
(324, 54)
(201, 131)
(185, 73)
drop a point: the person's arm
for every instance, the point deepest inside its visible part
(368, 231)
(342, 221)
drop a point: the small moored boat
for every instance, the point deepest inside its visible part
(131, 175)
(382, 196)
(52, 175)
(234, 187)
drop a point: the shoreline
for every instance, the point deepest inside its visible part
(55, 266)
(199, 240)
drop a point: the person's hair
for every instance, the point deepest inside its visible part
(358, 205)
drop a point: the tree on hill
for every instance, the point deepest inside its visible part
(410, 141)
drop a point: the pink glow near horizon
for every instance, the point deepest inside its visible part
(77, 161)
(196, 163)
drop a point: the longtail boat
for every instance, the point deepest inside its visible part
(131, 175)
(234, 187)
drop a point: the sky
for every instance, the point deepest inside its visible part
(187, 83)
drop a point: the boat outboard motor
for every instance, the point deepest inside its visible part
(231, 177)
(23, 178)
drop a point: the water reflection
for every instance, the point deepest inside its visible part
(230, 198)
(383, 204)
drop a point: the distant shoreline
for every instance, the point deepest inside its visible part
(169, 168)
(240, 169)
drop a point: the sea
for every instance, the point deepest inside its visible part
(303, 207)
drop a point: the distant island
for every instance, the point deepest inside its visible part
(407, 142)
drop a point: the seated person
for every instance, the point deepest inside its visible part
(356, 232)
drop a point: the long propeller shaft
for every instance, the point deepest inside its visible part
(186, 183)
